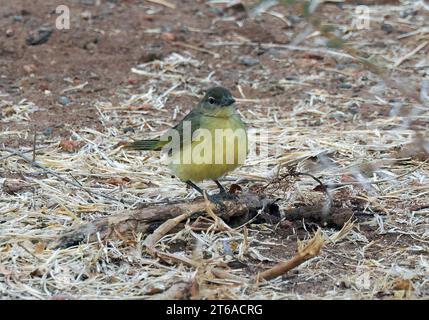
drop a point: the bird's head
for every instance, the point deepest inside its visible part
(216, 99)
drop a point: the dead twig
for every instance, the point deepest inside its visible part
(34, 143)
(305, 252)
(243, 207)
(163, 3)
(163, 229)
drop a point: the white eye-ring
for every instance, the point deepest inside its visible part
(211, 100)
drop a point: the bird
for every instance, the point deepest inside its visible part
(209, 142)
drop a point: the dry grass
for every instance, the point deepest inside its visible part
(384, 254)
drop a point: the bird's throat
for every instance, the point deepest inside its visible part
(221, 112)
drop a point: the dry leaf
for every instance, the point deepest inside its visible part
(69, 145)
(39, 248)
(405, 285)
(168, 36)
(6, 248)
(120, 181)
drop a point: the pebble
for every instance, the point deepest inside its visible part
(168, 36)
(129, 129)
(29, 68)
(86, 15)
(294, 19)
(40, 36)
(387, 27)
(353, 108)
(345, 86)
(249, 61)
(184, 29)
(64, 100)
(47, 131)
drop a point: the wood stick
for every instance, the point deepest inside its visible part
(305, 252)
(163, 229)
(145, 220)
(236, 211)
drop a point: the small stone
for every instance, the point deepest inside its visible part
(291, 78)
(345, 86)
(184, 29)
(47, 132)
(29, 68)
(48, 78)
(39, 36)
(338, 115)
(129, 129)
(9, 32)
(168, 36)
(64, 100)
(86, 15)
(353, 107)
(294, 19)
(94, 76)
(43, 86)
(387, 27)
(343, 284)
(90, 46)
(394, 100)
(249, 61)
(166, 28)
(151, 54)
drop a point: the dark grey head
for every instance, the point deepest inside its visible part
(218, 97)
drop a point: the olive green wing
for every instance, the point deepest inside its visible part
(192, 120)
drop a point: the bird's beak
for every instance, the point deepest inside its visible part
(228, 101)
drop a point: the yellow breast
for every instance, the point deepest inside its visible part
(218, 147)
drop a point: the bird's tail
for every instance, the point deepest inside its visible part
(154, 144)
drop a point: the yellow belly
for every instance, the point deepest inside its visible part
(200, 172)
(214, 155)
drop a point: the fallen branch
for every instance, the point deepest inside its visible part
(305, 252)
(236, 209)
(336, 217)
(163, 229)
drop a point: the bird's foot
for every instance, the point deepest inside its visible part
(220, 198)
(217, 200)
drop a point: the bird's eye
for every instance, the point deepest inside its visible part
(211, 100)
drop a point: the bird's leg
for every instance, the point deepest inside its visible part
(193, 185)
(221, 188)
(211, 198)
